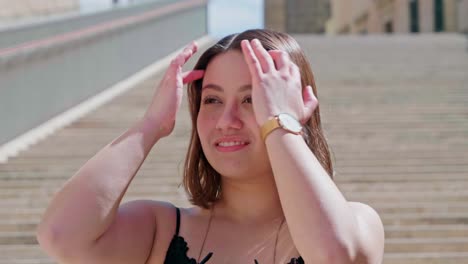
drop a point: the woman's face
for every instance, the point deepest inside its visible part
(228, 130)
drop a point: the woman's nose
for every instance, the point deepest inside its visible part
(230, 118)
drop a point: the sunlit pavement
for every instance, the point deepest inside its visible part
(395, 112)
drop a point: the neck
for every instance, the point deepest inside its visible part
(249, 202)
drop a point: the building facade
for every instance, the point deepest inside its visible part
(397, 16)
(275, 15)
(297, 16)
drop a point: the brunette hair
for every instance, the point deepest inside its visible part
(201, 181)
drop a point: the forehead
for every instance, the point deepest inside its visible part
(228, 70)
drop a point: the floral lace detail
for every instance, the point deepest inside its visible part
(177, 253)
(293, 261)
(296, 261)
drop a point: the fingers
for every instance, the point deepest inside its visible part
(281, 59)
(191, 76)
(268, 60)
(175, 68)
(294, 70)
(185, 55)
(263, 57)
(251, 59)
(262, 61)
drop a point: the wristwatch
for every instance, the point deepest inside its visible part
(284, 121)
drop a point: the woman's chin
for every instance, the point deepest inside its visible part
(241, 171)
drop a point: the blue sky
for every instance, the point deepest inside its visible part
(228, 16)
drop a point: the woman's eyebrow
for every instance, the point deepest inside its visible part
(213, 86)
(220, 89)
(246, 87)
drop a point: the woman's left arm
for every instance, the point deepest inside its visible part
(325, 227)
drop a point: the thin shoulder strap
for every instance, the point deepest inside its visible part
(178, 221)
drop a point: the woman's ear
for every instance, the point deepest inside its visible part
(310, 103)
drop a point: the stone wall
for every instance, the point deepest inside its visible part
(462, 17)
(275, 15)
(307, 16)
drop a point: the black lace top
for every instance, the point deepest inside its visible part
(177, 251)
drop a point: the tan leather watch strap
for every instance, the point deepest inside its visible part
(284, 121)
(269, 126)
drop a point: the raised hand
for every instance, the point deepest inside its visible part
(168, 97)
(276, 84)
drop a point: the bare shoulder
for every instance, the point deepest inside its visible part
(149, 210)
(371, 231)
(166, 221)
(164, 215)
(132, 235)
(158, 208)
(161, 213)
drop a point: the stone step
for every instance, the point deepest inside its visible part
(422, 196)
(451, 244)
(11, 252)
(427, 168)
(18, 238)
(426, 231)
(419, 207)
(426, 258)
(388, 177)
(409, 219)
(36, 260)
(19, 225)
(405, 186)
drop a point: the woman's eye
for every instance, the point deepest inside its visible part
(248, 100)
(210, 100)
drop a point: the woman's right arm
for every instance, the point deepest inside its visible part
(84, 222)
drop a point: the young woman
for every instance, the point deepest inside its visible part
(258, 173)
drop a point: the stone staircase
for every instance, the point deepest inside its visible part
(395, 110)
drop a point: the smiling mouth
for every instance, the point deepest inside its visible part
(231, 143)
(231, 146)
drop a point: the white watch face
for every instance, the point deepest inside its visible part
(289, 123)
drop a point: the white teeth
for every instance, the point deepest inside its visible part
(230, 144)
